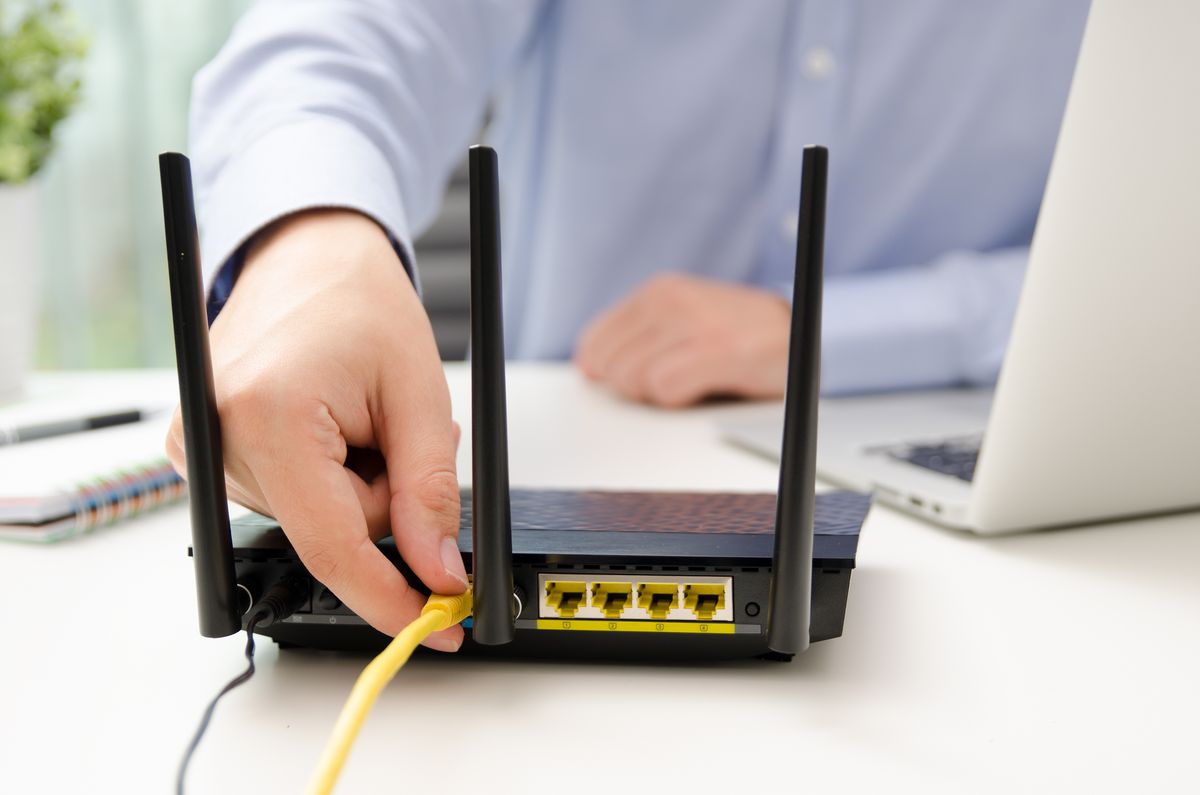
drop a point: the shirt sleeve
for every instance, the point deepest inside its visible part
(365, 105)
(941, 324)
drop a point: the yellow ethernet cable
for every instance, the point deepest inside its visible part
(440, 612)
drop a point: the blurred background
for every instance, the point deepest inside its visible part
(102, 299)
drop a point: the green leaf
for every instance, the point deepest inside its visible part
(41, 48)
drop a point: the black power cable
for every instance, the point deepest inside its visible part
(240, 679)
(284, 598)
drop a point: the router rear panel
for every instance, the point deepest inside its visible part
(590, 546)
(337, 628)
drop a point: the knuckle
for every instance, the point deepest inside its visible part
(247, 403)
(627, 382)
(740, 348)
(674, 400)
(660, 392)
(255, 414)
(717, 338)
(323, 564)
(262, 394)
(437, 494)
(664, 389)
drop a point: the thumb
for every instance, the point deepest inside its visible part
(417, 437)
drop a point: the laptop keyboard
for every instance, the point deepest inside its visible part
(955, 457)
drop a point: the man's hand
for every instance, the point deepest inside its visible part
(679, 339)
(335, 414)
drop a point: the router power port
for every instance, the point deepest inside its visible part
(611, 598)
(704, 599)
(658, 598)
(565, 597)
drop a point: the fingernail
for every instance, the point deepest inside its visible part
(443, 643)
(452, 560)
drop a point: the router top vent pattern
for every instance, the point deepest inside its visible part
(836, 513)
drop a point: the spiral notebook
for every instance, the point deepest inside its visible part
(60, 487)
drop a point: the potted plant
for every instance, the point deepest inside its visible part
(40, 52)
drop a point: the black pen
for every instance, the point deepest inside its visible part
(44, 430)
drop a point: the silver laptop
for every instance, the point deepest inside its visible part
(1096, 414)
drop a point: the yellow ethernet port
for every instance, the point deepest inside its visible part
(611, 598)
(565, 598)
(658, 598)
(704, 599)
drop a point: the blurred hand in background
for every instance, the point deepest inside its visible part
(679, 339)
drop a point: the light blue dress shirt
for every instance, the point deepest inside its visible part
(643, 136)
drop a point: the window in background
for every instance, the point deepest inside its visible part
(104, 284)
(104, 289)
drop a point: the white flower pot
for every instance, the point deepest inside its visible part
(20, 250)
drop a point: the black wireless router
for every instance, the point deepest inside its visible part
(635, 575)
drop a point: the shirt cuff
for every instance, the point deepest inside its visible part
(883, 331)
(222, 283)
(943, 324)
(316, 163)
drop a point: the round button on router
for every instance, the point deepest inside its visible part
(328, 601)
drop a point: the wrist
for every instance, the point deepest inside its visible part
(317, 262)
(345, 231)
(348, 226)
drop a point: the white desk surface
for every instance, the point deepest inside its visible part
(1059, 661)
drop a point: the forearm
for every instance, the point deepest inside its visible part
(941, 324)
(357, 105)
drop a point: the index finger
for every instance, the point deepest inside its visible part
(309, 491)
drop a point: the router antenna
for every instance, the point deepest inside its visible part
(212, 546)
(789, 602)
(491, 515)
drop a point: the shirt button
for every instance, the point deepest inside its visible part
(790, 226)
(818, 63)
